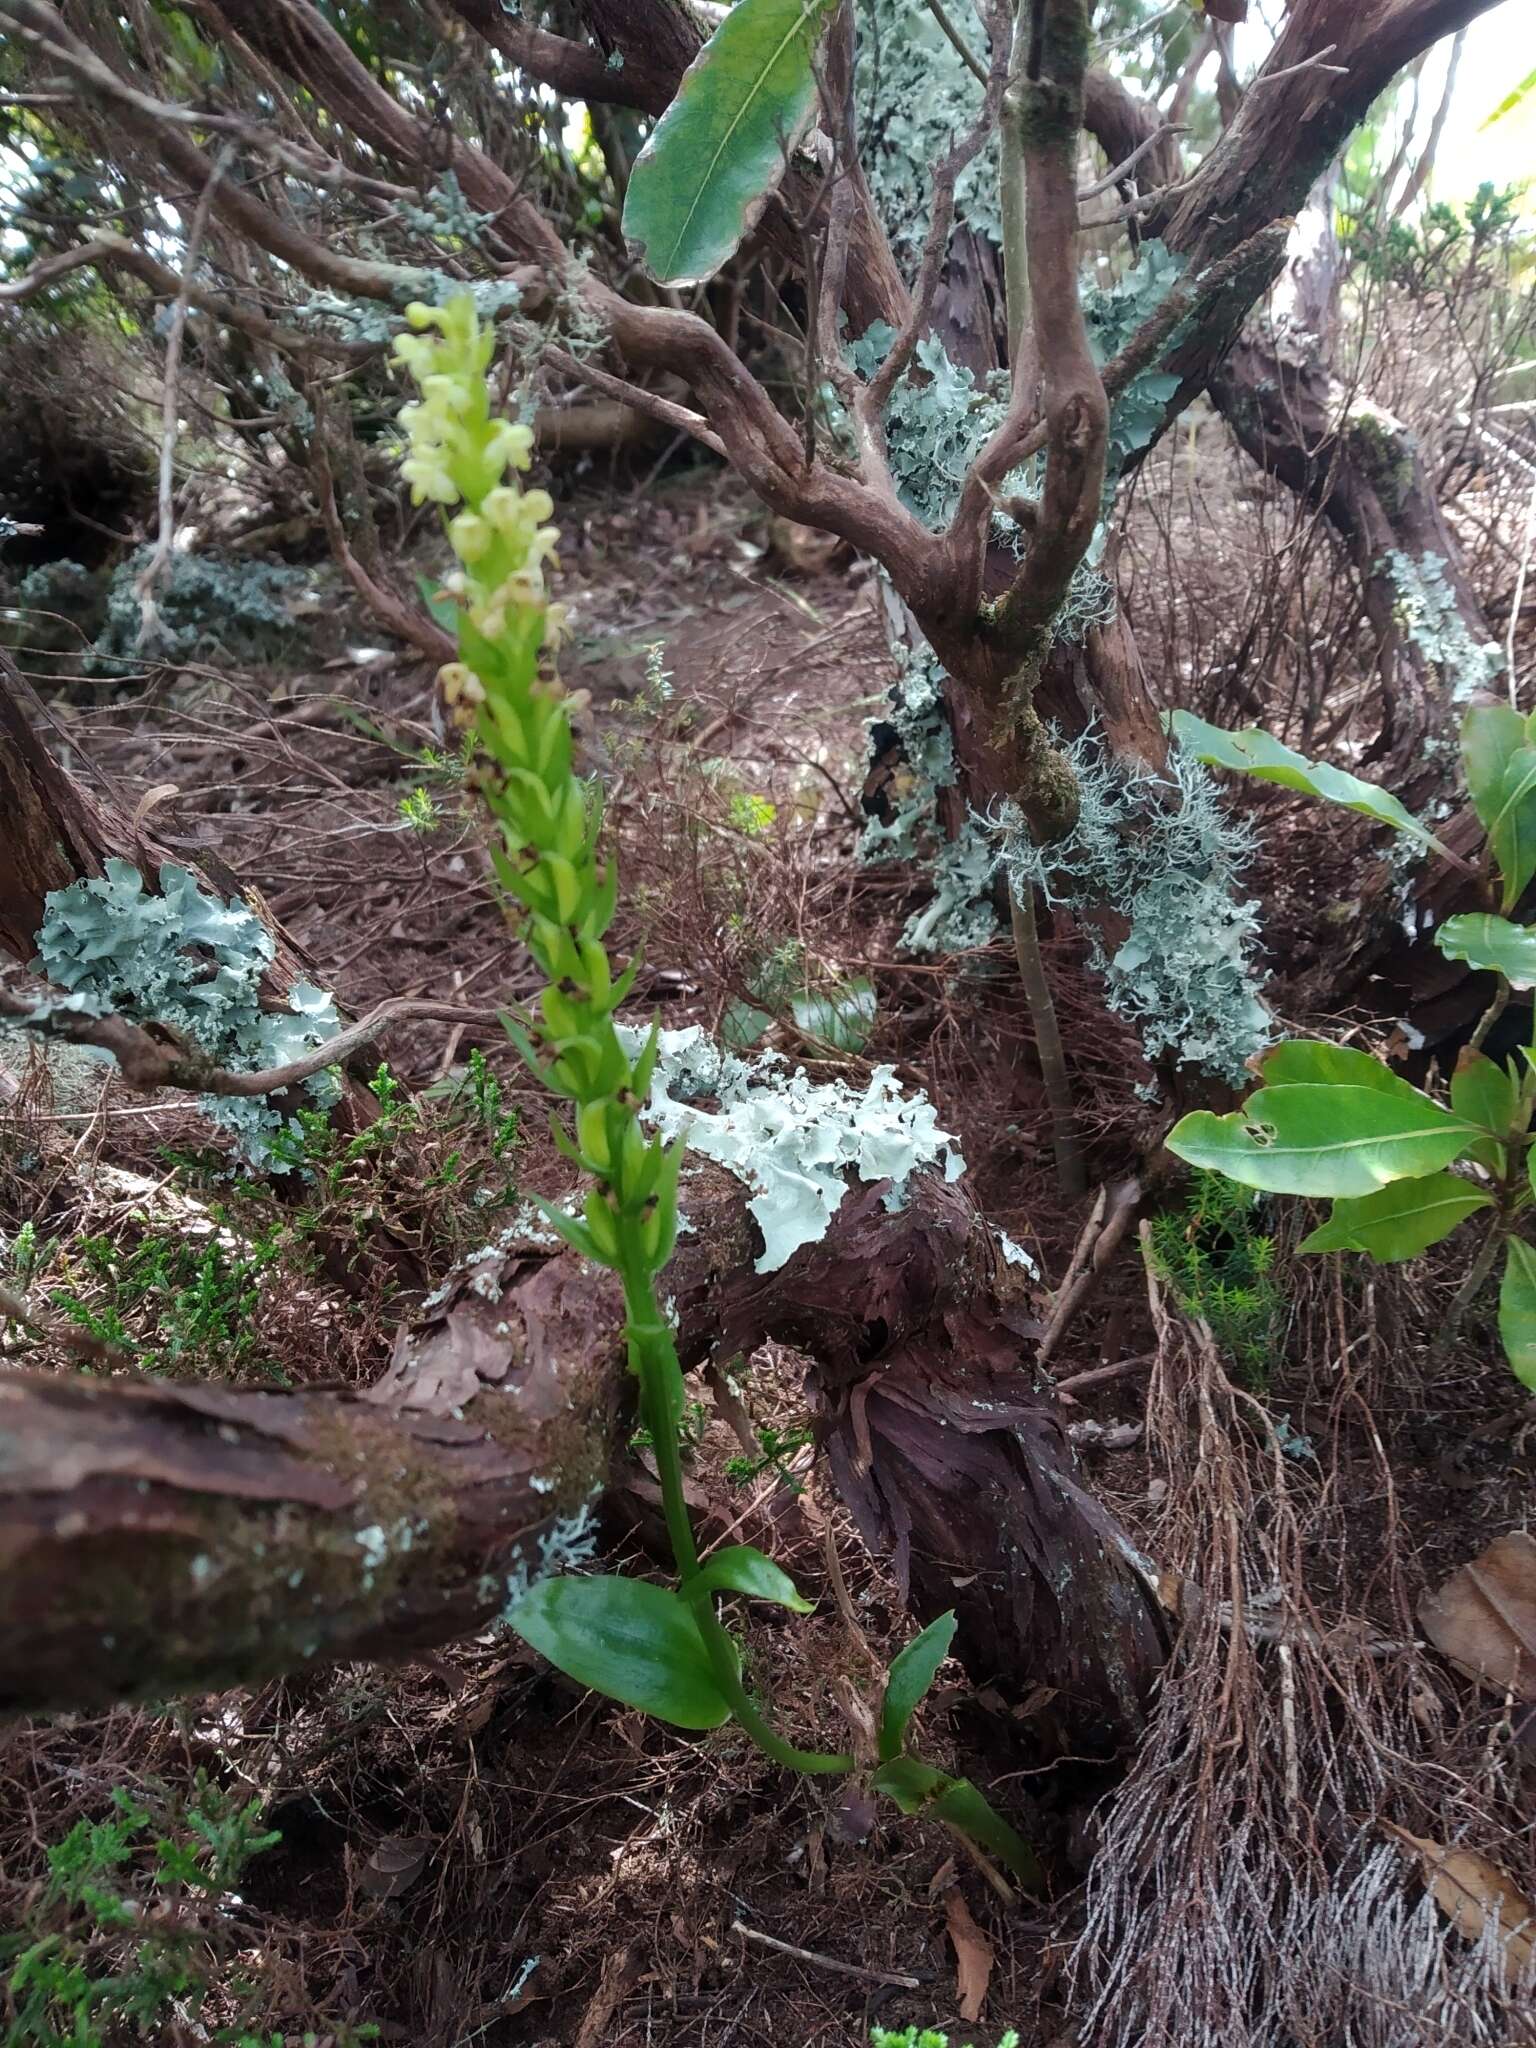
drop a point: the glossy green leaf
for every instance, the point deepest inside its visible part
(918, 1789)
(1517, 1311)
(1298, 1140)
(1319, 1062)
(743, 1025)
(741, 1569)
(722, 146)
(1483, 940)
(1252, 752)
(1400, 1221)
(626, 1638)
(1512, 828)
(842, 1017)
(912, 1671)
(1491, 734)
(1485, 1093)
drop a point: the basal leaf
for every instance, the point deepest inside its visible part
(1253, 752)
(965, 1809)
(912, 1671)
(1483, 940)
(1400, 1221)
(918, 1789)
(1517, 1311)
(1299, 1140)
(741, 1569)
(722, 146)
(626, 1638)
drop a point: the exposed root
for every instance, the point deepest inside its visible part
(1245, 1893)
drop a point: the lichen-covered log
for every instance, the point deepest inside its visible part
(156, 1537)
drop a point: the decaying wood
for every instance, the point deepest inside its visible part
(157, 1537)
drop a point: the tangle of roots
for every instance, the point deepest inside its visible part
(1248, 1890)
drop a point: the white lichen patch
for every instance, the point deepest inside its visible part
(792, 1140)
(185, 959)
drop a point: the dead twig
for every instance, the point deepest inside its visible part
(806, 1955)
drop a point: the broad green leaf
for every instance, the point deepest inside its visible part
(1485, 1093)
(626, 1638)
(1252, 752)
(1297, 1140)
(1483, 940)
(741, 1569)
(917, 1788)
(1400, 1221)
(722, 146)
(1491, 734)
(912, 1671)
(842, 1016)
(1512, 828)
(1517, 1311)
(1319, 1061)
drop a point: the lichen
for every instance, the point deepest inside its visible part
(1160, 851)
(1428, 613)
(186, 959)
(792, 1140)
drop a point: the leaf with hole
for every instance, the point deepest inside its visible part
(722, 146)
(1517, 1311)
(1256, 753)
(1486, 941)
(741, 1569)
(1400, 1221)
(1336, 1140)
(912, 1671)
(628, 1639)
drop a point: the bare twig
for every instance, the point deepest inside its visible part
(154, 568)
(842, 1969)
(962, 48)
(157, 1057)
(1048, 1047)
(67, 1336)
(1120, 1208)
(1124, 169)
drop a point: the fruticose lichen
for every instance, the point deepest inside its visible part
(792, 1140)
(1160, 851)
(1427, 609)
(185, 959)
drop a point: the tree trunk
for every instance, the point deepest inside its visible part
(157, 1537)
(1361, 468)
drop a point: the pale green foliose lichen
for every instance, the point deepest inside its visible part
(186, 959)
(1160, 851)
(1429, 615)
(792, 1140)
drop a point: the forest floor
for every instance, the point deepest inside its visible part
(472, 1850)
